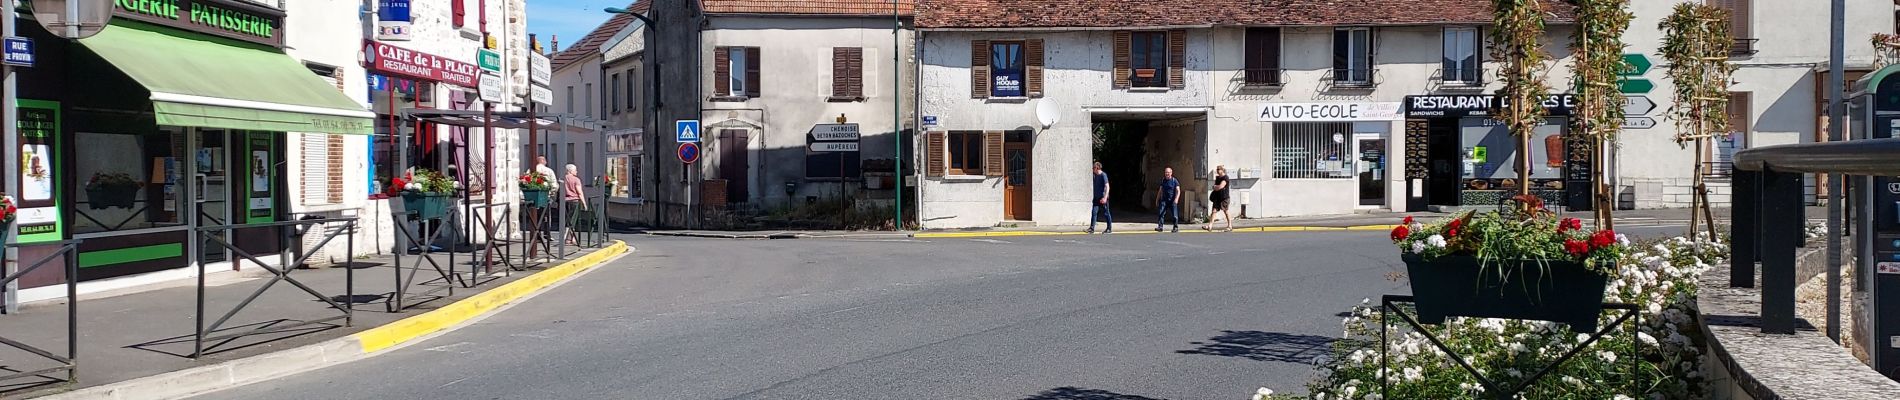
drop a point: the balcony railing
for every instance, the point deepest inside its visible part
(1743, 47)
(1461, 77)
(1263, 77)
(1352, 77)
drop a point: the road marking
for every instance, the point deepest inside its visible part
(446, 347)
(452, 382)
(989, 241)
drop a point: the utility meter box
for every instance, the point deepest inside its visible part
(1874, 113)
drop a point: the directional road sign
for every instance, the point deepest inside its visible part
(1639, 123)
(488, 59)
(688, 130)
(1635, 86)
(832, 132)
(1636, 105)
(834, 147)
(1637, 64)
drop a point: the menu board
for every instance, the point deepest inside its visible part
(1417, 137)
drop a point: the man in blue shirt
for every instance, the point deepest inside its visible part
(1099, 204)
(1168, 200)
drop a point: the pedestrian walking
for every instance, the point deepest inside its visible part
(575, 203)
(1219, 198)
(1098, 208)
(1168, 200)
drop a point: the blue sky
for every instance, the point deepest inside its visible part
(568, 19)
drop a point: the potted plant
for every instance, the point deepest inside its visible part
(1522, 264)
(7, 213)
(534, 188)
(427, 193)
(111, 189)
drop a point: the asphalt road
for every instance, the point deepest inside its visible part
(1124, 317)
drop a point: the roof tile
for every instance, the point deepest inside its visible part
(591, 43)
(808, 7)
(1126, 13)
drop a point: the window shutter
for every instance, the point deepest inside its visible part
(314, 173)
(840, 72)
(856, 72)
(993, 153)
(460, 12)
(752, 62)
(1263, 55)
(1121, 69)
(1739, 19)
(1033, 69)
(1177, 59)
(979, 69)
(335, 168)
(1342, 42)
(722, 71)
(934, 154)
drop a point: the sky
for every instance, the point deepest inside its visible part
(567, 19)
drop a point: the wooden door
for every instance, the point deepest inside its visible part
(1016, 182)
(733, 164)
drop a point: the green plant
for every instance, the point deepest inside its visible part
(532, 180)
(110, 180)
(1531, 234)
(428, 181)
(1519, 28)
(1696, 44)
(1597, 47)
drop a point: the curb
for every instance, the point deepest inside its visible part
(258, 368)
(955, 235)
(777, 235)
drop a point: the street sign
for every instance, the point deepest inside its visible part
(489, 60)
(930, 120)
(491, 88)
(828, 147)
(1639, 123)
(543, 71)
(1634, 105)
(689, 152)
(688, 131)
(1637, 64)
(1635, 86)
(833, 132)
(19, 51)
(541, 95)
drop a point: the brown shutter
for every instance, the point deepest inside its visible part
(334, 166)
(979, 69)
(722, 71)
(1739, 19)
(841, 72)
(934, 154)
(993, 153)
(856, 83)
(1122, 45)
(1177, 59)
(1738, 112)
(1263, 56)
(752, 72)
(1033, 71)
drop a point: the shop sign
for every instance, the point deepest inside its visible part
(415, 64)
(228, 18)
(1478, 105)
(393, 22)
(1334, 111)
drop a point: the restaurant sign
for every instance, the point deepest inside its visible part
(1556, 105)
(415, 64)
(234, 19)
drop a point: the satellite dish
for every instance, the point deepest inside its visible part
(73, 19)
(1047, 113)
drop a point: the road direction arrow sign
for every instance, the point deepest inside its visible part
(1636, 105)
(1635, 86)
(834, 132)
(688, 130)
(488, 59)
(834, 146)
(1638, 64)
(1639, 123)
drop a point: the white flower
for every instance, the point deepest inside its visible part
(1414, 373)
(1436, 241)
(413, 186)
(1418, 247)
(1623, 240)
(1646, 338)
(1607, 356)
(1621, 397)
(1262, 394)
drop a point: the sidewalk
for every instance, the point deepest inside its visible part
(138, 335)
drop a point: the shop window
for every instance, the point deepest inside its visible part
(1352, 56)
(624, 156)
(965, 152)
(1149, 54)
(385, 150)
(1462, 63)
(1307, 150)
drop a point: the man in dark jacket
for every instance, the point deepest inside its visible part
(1168, 200)
(1099, 204)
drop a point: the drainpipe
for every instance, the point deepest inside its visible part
(917, 122)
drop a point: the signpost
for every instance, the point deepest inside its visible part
(832, 147)
(688, 130)
(1638, 105)
(541, 95)
(829, 132)
(489, 60)
(491, 88)
(1633, 81)
(540, 69)
(19, 51)
(1638, 122)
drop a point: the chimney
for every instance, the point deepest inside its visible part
(554, 44)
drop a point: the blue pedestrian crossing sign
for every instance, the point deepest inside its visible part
(688, 130)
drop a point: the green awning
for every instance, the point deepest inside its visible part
(204, 81)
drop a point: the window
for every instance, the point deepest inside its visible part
(624, 158)
(1149, 52)
(1352, 56)
(1739, 110)
(738, 64)
(1461, 64)
(385, 151)
(570, 100)
(1007, 69)
(590, 94)
(1308, 150)
(1013, 68)
(965, 152)
(632, 93)
(613, 98)
(1738, 14)
(1263, 57)
(847, 73)
(735, 73)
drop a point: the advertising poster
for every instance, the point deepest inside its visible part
(1006, 69)
(392, 20)
(39, 127)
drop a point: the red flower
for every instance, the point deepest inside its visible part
(1603, 238)
(1400, 233)
(1576, 247)
(1408, 220)
(1452, 229)
(1569, 224)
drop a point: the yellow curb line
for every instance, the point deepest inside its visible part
(407, 329)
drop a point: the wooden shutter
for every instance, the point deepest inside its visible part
(722, 71)
(1122, 71)
(1263, 56)
(993, 153)
(934, 154)
(847, 72)
(752, 62)
(1738, 17)
(979, 69)
(460, 12)
(1739, 112)
(1177, 59)
(1033, 71)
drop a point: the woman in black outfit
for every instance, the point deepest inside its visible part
(1219, 198)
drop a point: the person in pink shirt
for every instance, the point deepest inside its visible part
(571, 193)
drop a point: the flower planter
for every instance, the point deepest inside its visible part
(112, 196)
(426, 205)
(1462, 286)
(535, 198)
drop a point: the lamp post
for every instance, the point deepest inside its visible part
(652, 112)
(897, 113)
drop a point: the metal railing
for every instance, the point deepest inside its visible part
(1262, 77)
(1468, 78)
(1352, 77)
(288, 261)
(1769, 216)
(69, 363)
(1743, 47)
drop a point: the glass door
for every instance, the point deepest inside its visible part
(212, 163)
(1372, 170)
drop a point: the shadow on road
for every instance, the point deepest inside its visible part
(1265, 346)
(1076, 393)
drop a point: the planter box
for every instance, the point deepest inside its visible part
(426, 205)
(112, 196)
(535, 198)
(1462, 286)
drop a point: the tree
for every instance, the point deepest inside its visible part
(1696, 45)
(1598, 49)
(1520, 28)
